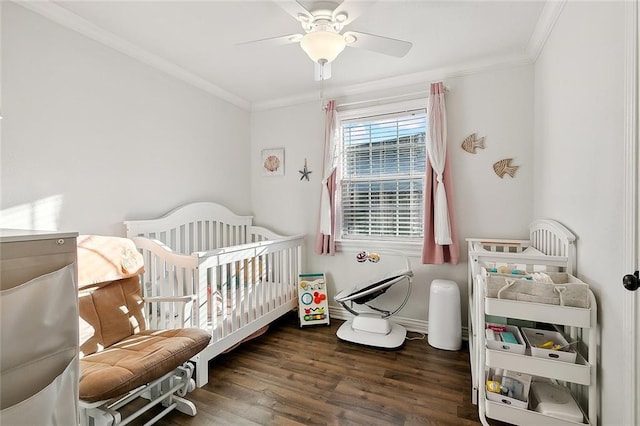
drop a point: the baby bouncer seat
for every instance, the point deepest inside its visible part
(374, 328)
(121, 359)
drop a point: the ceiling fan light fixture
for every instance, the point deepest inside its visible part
(322, 46)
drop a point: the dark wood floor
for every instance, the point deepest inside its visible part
(294, 376)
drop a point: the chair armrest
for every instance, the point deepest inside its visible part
(173, 316)
(183, 299)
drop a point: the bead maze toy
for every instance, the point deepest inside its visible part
(313, 307)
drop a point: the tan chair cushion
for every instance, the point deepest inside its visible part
(137, 360)
(109, 312)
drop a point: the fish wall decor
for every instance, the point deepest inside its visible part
(503, 167)
(471, 143)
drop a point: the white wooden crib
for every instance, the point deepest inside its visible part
(239, 277)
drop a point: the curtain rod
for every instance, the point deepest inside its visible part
(387, 98)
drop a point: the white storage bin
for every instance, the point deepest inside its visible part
(511, 402)
(518, 348)
(556, 401)
(535, 338)
(506, 400)
(564, 290)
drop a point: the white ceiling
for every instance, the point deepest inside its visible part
(198, 41)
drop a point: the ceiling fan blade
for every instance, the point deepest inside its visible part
(295, 9)
(273, 41)
(376, 43)
(352, 9)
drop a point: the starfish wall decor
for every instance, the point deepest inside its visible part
(305, 172)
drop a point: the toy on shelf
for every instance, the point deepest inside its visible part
(363, 256)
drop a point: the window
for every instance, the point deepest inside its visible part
(382, 174)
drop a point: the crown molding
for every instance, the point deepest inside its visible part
(76, 23)
(70, 20)
(406, 80)
(547, 20)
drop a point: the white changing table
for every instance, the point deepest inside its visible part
(551, 245)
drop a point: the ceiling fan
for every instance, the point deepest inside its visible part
(323, 22)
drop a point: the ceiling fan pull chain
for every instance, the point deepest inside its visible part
(322, 105)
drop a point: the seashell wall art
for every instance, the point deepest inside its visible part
(273, 162)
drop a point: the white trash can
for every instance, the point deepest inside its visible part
(445, 323)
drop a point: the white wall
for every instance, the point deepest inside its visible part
(91, 137)
(578, 176)
(497, 104)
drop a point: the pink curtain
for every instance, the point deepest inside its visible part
(432, 251)
(325, 239)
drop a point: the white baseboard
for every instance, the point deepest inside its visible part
(418, 326)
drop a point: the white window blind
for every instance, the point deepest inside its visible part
(382, 176)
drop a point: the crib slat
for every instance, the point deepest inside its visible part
(243, 294)
(224, 310)
(214, 299)
(199, 234)
(251, 287)
(279, 276)
(233, 282)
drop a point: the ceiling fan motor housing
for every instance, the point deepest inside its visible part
(322, 17)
